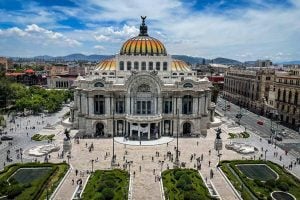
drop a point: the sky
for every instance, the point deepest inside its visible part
(237, 29)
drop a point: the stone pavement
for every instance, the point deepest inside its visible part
(145, 169)
(146, 164)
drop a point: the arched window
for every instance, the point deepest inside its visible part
(121, 65)
(165, 66)
(182, 74)
(104, 73)
(174, 74)
(98, 84)
(143, 66)
(150, 65)
(96, 73)
(187, 105)
(99, 105)
(128, 65)
(157, 66)
(120, 105)
(136, 65)
(188, 85)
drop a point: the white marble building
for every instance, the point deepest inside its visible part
(142, 93)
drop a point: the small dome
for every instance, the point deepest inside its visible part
(179, 65)
(107, 65)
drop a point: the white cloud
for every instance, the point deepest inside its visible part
(39, 34)
(101, 38)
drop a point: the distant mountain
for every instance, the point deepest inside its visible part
(226, 61)
(96, 58)
(189, 59)
(71, 57)
(295, 62)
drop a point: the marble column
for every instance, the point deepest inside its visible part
(139, 133)
(130, 132)
(148, 131)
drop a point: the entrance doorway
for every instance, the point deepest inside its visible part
(99, 130)
(187, 128)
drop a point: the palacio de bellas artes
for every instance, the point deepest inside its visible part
(142, 94)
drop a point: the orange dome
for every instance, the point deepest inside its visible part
(143, 45)
(107, 65)
(179, 65)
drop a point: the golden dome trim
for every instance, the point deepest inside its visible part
(179, 66)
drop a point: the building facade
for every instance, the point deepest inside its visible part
(287, 97)
(249, 89)
(142, 93)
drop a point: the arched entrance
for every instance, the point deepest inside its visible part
(186, 129)
(99, 130)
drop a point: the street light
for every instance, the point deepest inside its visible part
(177, 151)
(266, 154)
(113, 142)
(92, 165)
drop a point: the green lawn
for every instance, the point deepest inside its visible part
(182, 184)
(38, 137)
(258, 172)
(107, 184)
(238, 135)
(257, 188)
(28, 175)
(18, 182)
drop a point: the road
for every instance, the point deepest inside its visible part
(291, 138)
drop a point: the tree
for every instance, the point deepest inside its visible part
(215, 93)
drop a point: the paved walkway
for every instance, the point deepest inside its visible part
(146, 164)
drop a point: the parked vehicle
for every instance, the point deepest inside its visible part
(4, 138)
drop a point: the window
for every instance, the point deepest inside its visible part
(296, 98)
(143, 107)
(128, 65)
(188, 85)
(98, 84)
(187, 105)
(136, 65)
(268, 78)
(121, 65)
(143, 66)
(284, 95)
(99, 104)
(291, 82)
(167, 106)
(165, 66)
(150, 65)
(278, 95)
(157, 66)
(120, 105)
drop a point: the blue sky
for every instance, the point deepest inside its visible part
(238, 29)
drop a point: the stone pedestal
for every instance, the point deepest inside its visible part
(218, 144)
(67, 145)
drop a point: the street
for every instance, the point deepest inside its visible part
(291, 138)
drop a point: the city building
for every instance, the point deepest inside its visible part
(263, 63)
(142, 93)
(61, 82)
(5, 62)
(249, 89)
(27, 77)
(287, 97)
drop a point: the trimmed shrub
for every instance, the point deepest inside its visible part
(283, 186)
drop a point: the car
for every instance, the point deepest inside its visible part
(260, 123)
(278, 138)
(3, 138)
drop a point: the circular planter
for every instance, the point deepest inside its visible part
(280, 195)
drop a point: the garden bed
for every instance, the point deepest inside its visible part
(107, 184)
(184, 184)
(38, 137)
(239, 135)
(17, 180)
(260, 188)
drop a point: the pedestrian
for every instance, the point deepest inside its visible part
(153, 171)
(76, 172)
(209, 163)
(209, 152)
(133, 174)
(72, 181)
(140, 168)
(197, 143)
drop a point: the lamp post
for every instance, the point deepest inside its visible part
(113, 140)
(266, 154)
(177, 151)
(92, 165)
